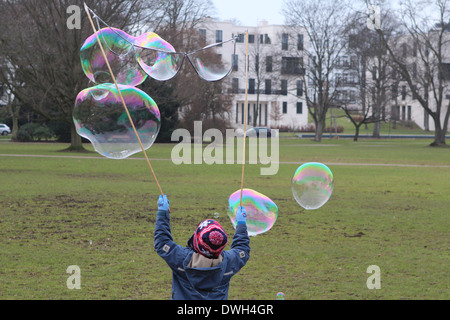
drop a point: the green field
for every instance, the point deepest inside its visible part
(390, 208)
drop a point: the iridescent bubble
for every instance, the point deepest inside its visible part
(131, 59)
(209, 63)
(120, 52)
(157, 57)
(312, 185)
(262, 212)
(100, 117)
(164, 63)
(280, 296)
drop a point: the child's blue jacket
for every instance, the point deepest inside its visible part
(199, 283)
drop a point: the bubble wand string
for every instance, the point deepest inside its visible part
(121, 97)
(245, 115)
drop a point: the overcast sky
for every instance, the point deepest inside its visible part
(249, 12)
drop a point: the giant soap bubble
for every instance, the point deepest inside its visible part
(262, 212)
(157, 57)
(312, 185)
(123, 53)
(100, 117)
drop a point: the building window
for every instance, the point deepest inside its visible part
(237, 112)
(235, 85)
(264, 38)
(409, 113)
(394, 90)
(374, 73)
(268, 86)
(259, 114)
(403, 92)
(284, 41)
(284, 107)
(219, 36)
(242, 115)
(235, 59)
(291, 65)
(284, 87)
(240, 38)
(251, 38)
(269, 63)
(403, 113)
(265, 115)
(202, 35)
(251, 86)
(445, 68)
(299, 42)
(299, 107)
(299, 88)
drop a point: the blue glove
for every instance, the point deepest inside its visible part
(241, 216)
(163, 203)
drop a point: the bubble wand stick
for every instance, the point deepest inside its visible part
(245, 115)
(121, 97)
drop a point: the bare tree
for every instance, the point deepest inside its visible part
(323, 21)
(420, 55)
(44, 53)
(177, 20)
(10, 81)
(275, 114)
(373, 78)
(262, 69)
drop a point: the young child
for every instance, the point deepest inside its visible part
(201, 270)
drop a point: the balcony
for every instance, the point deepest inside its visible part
(298, 71)
(260, 91)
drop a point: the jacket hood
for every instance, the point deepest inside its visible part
(204, 278)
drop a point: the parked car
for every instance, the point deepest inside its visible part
(4, 129)
(255, 132)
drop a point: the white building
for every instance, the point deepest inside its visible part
(275, 82)
(399, 103)
(406, 106)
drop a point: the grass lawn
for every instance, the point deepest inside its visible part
(337, 117)
(59, 209)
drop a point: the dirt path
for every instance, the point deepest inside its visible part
(281, 162)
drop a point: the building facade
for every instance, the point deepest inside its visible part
(275, 73)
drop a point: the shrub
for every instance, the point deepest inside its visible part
(43, 133)
(283, 128)
(310, 127)
(338, 129)
(23, 136)
(30, 128)
(33, 132)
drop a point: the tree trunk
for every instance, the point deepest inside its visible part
(15, 127)
(439, 136)
(75, 140)
(320, 125)
(376, 129)
(355, 138)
